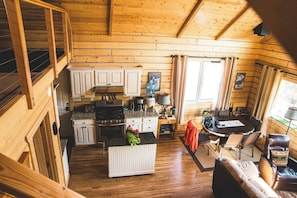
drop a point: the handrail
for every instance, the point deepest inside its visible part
(17, 179)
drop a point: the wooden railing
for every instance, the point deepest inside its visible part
(18, 180)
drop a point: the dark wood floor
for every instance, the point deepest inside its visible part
(176, 174)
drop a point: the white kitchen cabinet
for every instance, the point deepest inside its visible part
(132, 82)
(135, 123)
(143, 124)
(82, 83)
(150, 124)
(109, 77)
(84, 132)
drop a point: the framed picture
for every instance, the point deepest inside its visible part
(156, 78)
(240, 77)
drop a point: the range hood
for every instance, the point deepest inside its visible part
(100, 90)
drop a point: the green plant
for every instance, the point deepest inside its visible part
(132, 136)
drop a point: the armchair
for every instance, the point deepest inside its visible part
(286, 167)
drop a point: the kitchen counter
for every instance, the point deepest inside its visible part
(134, 114)
(76, 115)
(145, 138)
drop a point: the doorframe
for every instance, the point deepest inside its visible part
(47, 141)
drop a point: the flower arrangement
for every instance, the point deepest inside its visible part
(132, 136)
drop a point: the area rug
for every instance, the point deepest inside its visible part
(206, 162)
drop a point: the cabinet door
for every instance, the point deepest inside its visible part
(76, 81)
(101, 77)
(135, 123)
(82, 83)
(84, 134)
(89, 134)
(78, 135)
(150, 124)
(87, 83)
(116, 77)
(132, 82)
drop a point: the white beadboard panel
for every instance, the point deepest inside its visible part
(128, 160)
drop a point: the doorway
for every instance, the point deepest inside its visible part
(44, 151)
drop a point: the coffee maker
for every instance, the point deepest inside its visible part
(139, 103)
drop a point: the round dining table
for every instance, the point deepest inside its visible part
(224, 126)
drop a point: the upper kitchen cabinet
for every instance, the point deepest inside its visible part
(132, 82)
(82, 82)
(109, 77)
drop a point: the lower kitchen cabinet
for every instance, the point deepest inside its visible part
(143, 124)
(84, 132)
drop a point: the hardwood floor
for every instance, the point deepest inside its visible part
(176, 174)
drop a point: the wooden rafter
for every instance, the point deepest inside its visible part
(280, 18)
(111, 7)
(190, 18)
(51, 39)
(16, 26)
(232, 22)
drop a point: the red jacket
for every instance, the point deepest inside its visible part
(191, 136)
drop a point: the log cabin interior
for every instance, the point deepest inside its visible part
(44, 45)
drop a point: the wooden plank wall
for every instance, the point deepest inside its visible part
(154, 54)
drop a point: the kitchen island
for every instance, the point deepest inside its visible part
(127, 160)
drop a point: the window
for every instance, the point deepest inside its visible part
(203, 80)
(286, 97)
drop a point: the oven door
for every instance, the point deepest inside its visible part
(110, 131)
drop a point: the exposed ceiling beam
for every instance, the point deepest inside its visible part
(190, 18)
(280, 16)
(232, 22)
(111, 7)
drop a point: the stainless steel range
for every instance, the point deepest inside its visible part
(110, 119)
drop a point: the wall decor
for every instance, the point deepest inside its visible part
(156, 78)
(240, 77)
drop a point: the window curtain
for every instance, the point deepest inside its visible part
(224, 96)
(178, 85)
(269, 83)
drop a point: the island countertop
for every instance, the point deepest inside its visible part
(145, 138)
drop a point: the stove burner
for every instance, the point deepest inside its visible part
(110, 115)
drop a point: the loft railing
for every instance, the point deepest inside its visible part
(16, 180)
(34, 37)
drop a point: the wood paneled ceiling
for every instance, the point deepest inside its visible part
(227, 19)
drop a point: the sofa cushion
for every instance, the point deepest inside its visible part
(263, 187)
(249, 168)
(252, 190)
(234, 170)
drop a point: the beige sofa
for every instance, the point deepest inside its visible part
(241, 179)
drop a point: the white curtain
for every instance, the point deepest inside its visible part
(178, 85)
(269, 83)
(223, 101)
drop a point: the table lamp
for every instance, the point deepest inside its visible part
(291, 114)
(163, 100)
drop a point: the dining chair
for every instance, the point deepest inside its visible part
(193, 138)
(233, 141)
(249, 140)
(256, 123)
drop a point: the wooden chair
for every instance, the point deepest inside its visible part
(233, 141)
(249, 140)
(256, 123)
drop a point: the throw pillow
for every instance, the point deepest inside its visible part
(249, 168)
(279, 158)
